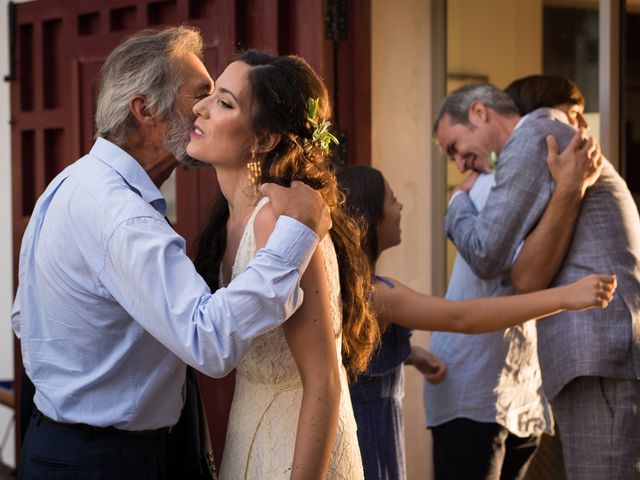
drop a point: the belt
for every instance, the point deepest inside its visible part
(91, 430)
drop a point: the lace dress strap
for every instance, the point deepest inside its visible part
(247, 248)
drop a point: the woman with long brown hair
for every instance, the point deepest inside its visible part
(267, 121)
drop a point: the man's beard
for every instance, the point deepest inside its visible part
(177, 139)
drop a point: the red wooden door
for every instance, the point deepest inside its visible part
(60, 46)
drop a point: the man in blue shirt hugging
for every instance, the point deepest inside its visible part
(109, 308)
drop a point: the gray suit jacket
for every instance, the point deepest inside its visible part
(606, 240)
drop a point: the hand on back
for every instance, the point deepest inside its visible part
(579, 165)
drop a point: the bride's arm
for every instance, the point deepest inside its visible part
(310, 337)
(312, 342)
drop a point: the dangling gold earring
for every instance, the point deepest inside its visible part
(254, 170)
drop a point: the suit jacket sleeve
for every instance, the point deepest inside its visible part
(489, 239)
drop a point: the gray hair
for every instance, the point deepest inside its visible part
(143, 65)
(457, 104)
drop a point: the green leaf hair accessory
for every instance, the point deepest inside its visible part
(321, 133)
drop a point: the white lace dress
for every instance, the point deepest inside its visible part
(268, 392)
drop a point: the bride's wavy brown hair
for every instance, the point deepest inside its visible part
(280, 88)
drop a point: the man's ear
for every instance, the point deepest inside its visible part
(478, 113)
(141, 112)
(267, 142)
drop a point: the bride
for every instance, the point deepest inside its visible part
(291, 415)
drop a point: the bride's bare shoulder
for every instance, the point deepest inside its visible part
(264, 223)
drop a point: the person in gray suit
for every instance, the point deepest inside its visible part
(590, 361)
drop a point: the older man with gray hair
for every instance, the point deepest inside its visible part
(109, 308)
(590, 361)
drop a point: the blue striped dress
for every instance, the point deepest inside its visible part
(377, 405)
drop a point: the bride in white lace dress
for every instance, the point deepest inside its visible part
(291, 415)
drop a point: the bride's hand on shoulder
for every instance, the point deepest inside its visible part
(264, 224)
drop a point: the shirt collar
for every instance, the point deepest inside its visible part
(130, 171)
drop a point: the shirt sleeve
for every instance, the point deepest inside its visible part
(148, 274)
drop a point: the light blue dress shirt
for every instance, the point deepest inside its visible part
(491, 377)
(109, 308)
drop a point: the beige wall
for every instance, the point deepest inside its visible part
(401, 149)
(500, 39)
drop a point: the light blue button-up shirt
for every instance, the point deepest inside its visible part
(491, 377)
(109, 308)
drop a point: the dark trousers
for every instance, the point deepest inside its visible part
(467, 450)
(27, 391)
(59, 452)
